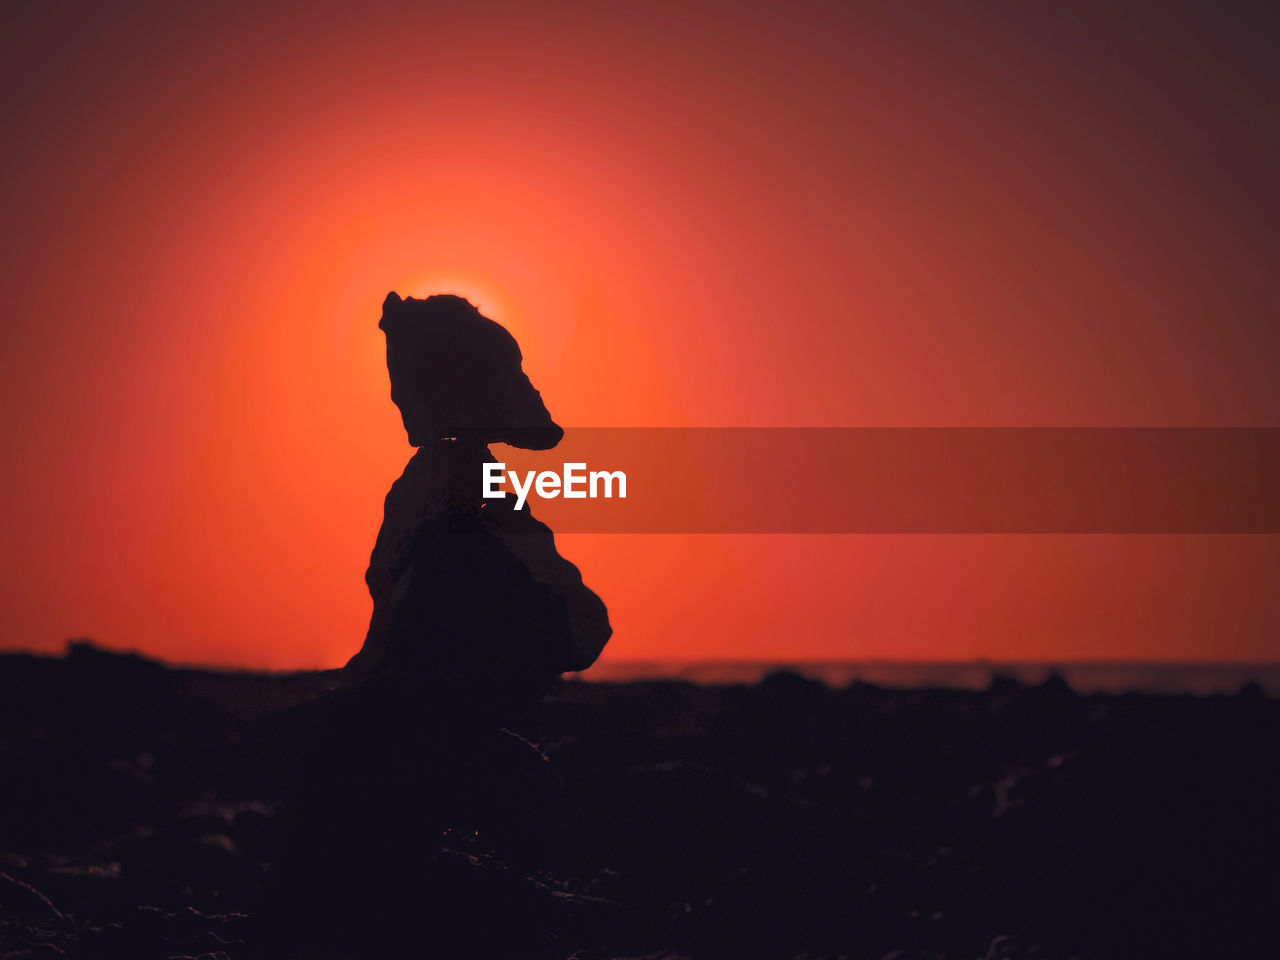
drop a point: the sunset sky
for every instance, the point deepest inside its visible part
(689, 214)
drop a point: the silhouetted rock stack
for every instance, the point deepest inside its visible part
(475, 615)
(470, 596)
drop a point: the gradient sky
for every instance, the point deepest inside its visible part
(810, 214)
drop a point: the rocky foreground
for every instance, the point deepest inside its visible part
(139, 817)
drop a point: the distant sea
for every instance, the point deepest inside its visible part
(1201, 679)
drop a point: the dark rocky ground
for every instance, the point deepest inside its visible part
(139, 815)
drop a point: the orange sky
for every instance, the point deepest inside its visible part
(688, 214)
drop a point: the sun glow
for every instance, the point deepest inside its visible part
(485, 293)
(478, 288)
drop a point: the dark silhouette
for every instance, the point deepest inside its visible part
(779, 819)
(475, 615)
(470, 597)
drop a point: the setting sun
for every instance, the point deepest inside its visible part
(201, 430)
